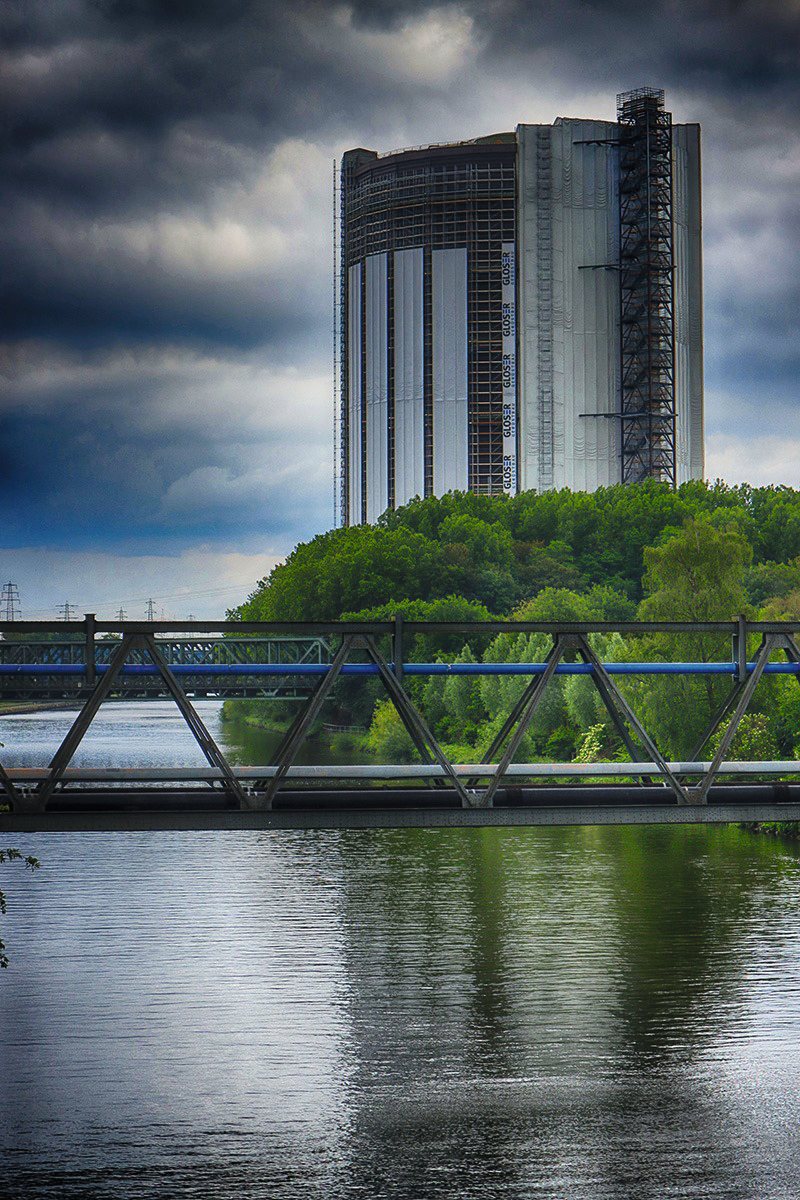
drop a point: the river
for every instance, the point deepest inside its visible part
(593, 1014)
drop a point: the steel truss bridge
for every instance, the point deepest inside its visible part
(303, 661)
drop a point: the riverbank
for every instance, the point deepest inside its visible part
(778, 829)
(244, 713)
(17, 708)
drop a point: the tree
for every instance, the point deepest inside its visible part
(696, 574)
(753, 741)
(388, 738)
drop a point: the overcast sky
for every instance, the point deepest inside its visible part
(167, 407)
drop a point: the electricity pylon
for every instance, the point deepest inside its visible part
(9, 600)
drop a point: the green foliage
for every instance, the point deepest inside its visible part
(782, 608)
(698, 552)
(785, 716)
(768, 580)
(754, 740)
(343, 570)
(10, 855)
(388, 737)
(590, 745)
(501, 551)
(697, 574)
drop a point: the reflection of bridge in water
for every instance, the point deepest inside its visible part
(90, 662)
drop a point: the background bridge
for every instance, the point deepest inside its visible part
(92, 661)
(32, 668)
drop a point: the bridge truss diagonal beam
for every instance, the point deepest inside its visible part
(613, 698)
(422, 737)
(7, 787)
(211, 750)
(130, 643)
(521, 714)
(64, 753)
(620, 711)
(770, 643)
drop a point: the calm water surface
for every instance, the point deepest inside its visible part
(582, 1013)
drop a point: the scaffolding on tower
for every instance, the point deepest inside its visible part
(646, 274)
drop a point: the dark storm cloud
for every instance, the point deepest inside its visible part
(165, 179)
(141, 113)
(123, 111)
(720, 46)
(139, 453)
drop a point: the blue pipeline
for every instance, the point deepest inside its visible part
(437, 668)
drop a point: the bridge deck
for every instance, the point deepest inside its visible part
(304, 812)
(393, 796)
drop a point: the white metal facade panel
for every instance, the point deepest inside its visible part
(354, 393)
(585, 241)
(409, 398)
(450, 404)
(508, 267)
(530, 256)
(377, 385)
(687, 225)
(568, 232)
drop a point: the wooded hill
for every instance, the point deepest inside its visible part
(701, 552)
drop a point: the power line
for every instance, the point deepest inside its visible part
(67, 610)
(121, 614)
(100, 605)
(130, 600)
(151, 609)
(10, 598)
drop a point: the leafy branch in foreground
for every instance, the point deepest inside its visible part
(32, 863)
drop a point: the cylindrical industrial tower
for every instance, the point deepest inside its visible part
(519, 311)
(428, 241)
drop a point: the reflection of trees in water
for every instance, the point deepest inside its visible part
(682, 899)
(251, 745)
(527, 997)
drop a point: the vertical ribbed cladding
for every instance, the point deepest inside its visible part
(390, 382)
(450, 371)
(352, 249)
(362, 391)
(459, 197)
(568, 250)
(544, 280)
(376, 395)
(646, 272)
(427, 371)
(688, 253)
(354, 395)
(336, 356)
(341, 274)
(407, 377)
